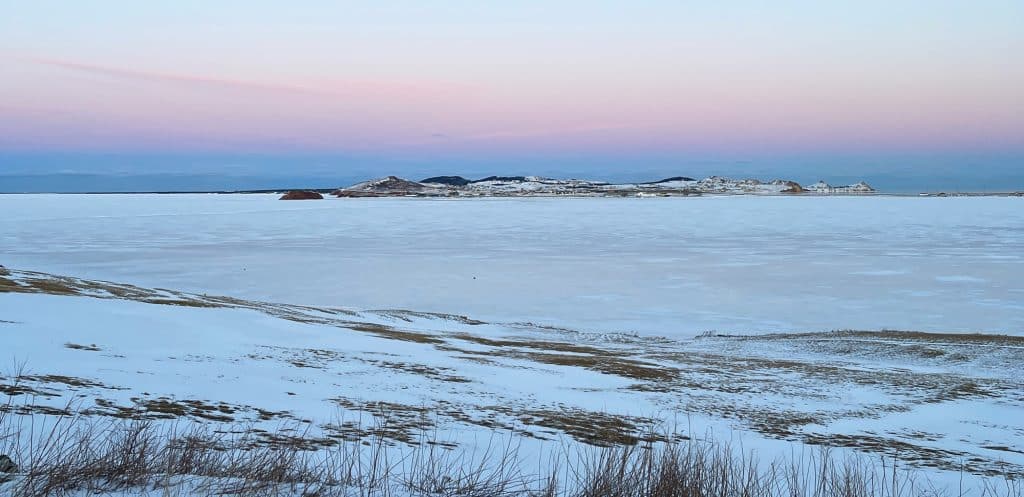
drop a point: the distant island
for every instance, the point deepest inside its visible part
(528, 186)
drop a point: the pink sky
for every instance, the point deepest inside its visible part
(454, 77)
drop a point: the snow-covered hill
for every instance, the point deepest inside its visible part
(822, 187)
(537, 185)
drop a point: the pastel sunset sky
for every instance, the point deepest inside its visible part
(463, 82)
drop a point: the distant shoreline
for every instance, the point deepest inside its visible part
(325, 191)
(542, 187)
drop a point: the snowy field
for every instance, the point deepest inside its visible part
(553, 320)
(666, 267)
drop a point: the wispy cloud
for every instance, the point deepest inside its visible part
(336, 88)
(121, 73)
(513, 134)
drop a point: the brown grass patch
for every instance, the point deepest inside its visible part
(626, 368)
(391, 333)
(547, 346)
(422, 370)
(13, 390)
(594, 428)
(896, 335)
(180, 302)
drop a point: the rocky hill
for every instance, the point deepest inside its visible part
(457, 186)
(822, 187)
(386, 186)
(302, 195)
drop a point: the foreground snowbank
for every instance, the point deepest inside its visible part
(937, 402)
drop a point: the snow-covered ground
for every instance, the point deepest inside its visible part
(556, 319)
(661, 266)
(941, 403)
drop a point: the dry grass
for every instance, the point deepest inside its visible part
(544, 345)
(602, 360)
(431, 372)
(392, 333)
(900, 335)
(180, 302)
(406, 315)
(67, 455)
(627, 368)
(35, 282)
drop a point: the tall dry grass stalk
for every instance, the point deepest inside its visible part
(72, 454)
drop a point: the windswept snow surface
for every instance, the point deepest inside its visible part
(662, 266)
(582, 314)
(941, 403)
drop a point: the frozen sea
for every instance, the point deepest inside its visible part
(659, 266)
